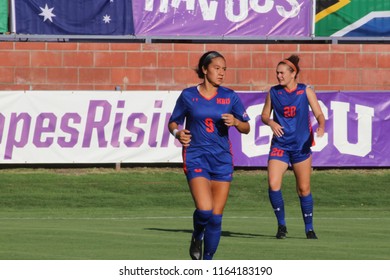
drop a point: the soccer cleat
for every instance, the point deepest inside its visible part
(311, 235)
(282, 230)
(196, 249)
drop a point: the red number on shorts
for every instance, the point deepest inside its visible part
(209, 125)
(277, 152)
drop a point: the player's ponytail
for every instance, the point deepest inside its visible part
(292, 62)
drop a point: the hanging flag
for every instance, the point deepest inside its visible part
(352, 18)
(74, 17)
(223, 18)
(3, 16)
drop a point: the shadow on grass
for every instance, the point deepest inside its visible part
(224, 233)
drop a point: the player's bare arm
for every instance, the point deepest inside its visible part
(266, 118)
(184, 135)
(230, 120)
(316, 108)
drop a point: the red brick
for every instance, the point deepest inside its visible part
(376, 48)
(361, 88)
(6, 75)
(252, 76)
(361, 60)
(142, 87)
(251, 48)
(125, 47)
(178, 87)
(238, 60)
(230, 77)
(139, 66)
(46, 59)
(62, 46)
(383, 60)
(266, 60)
(314, 48)
(283, 48)
(110, 59)
(62, 75)
(379, 77)
(193, 60)
(94, 76)
(157, 76)
(104, 87)
(329, 60)
(141, 60)
(14, 58)
(318, 88)
(222, 48)
(271, 76)
(78, 59)
(13, 86)
(75, 87)
(259, 60)
(157, 47)
(94, 46)
(124, 76)
(190, 48)
(7, 45)
(30, 75)
(343, 77)
(345, 48)
(185, 76)
(315, 77)
(170, 59)
(306, 61)
(30, 46)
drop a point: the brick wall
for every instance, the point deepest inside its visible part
(168, 66)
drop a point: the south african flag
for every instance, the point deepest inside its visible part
(352, 18)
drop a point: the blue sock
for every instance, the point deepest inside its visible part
(200, 220)
(212, 236)
(307, 211)
(277, 203)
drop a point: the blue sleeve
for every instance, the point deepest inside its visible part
(180, 111)
(238, 109)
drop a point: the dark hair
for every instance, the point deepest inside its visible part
(294, 59)
(205, 61)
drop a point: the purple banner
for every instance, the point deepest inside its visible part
(357, 131)
(222, 18)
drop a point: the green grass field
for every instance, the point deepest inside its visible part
(146, 214)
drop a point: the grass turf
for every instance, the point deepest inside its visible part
(146, 214)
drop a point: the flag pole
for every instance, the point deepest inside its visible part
(12, 16)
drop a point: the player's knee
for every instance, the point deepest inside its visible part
(304, 191)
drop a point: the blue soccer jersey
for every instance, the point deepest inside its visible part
(210, 146)
(291, 111)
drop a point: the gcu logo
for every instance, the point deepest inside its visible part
(340, 133)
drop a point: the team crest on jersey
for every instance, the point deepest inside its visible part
(195, 99)
(299, 92)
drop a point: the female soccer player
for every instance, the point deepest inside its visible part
(292, 140)
(209, 110)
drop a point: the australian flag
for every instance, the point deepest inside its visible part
(74, 17)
